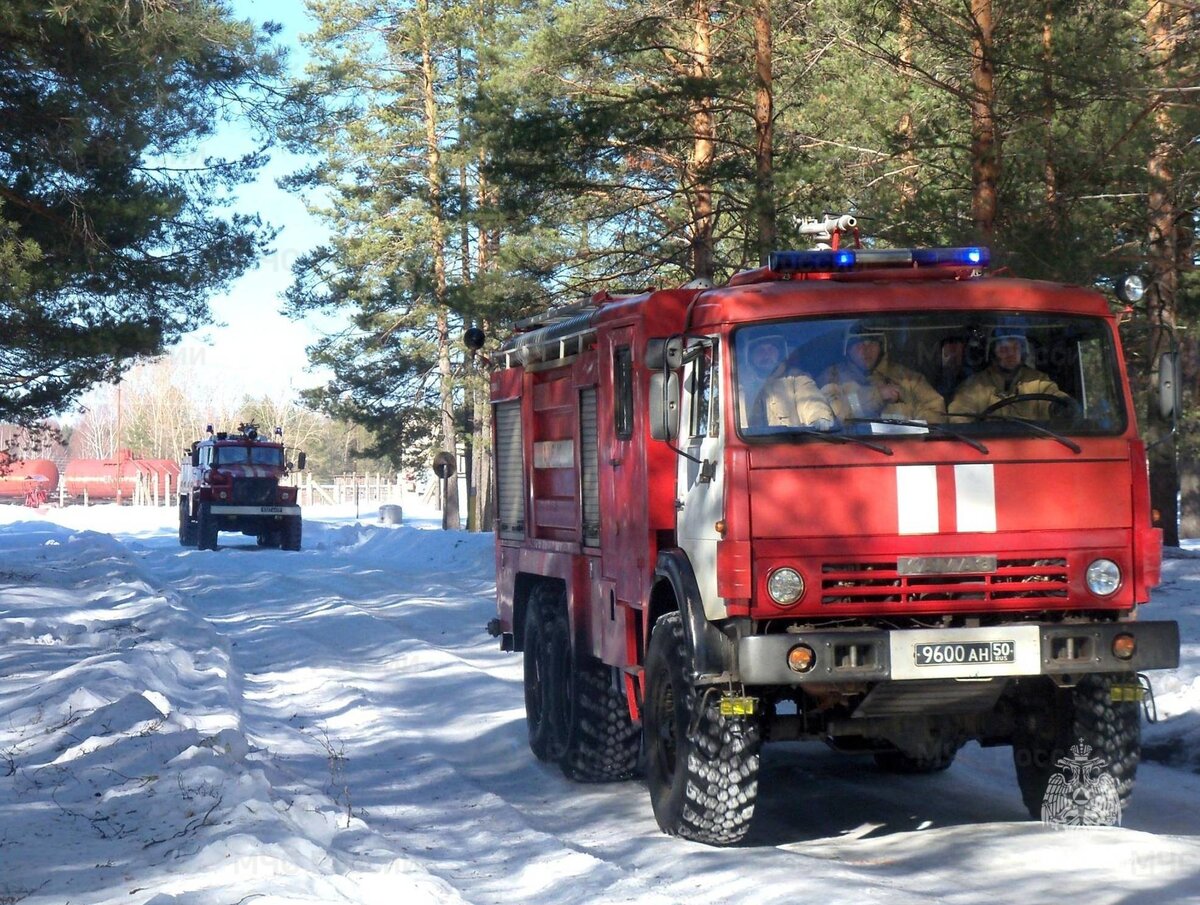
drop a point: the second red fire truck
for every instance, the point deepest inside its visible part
(233, 481)
(691, 571)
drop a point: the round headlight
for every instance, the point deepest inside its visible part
(1103, 577)
(785, 586)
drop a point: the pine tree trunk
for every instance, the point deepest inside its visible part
(450, 513)
(487, 248)
(1049, 108)
(1162, 293)
(704, 147)
(764, 123)
(985, 153)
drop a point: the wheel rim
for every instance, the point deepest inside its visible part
(665, 730)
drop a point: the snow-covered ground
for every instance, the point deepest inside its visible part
(334, 725)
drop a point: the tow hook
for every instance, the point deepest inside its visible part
(1149, 707)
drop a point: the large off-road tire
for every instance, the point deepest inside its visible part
(206, 528)
(292, 530)
(575, 715)
(188, 533)
(603, 744)
(547, 674)
(1060, 719)
(701, 767)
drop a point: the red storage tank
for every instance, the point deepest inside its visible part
(117, 478)
(21, 478)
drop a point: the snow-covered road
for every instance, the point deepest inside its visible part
(335, 726)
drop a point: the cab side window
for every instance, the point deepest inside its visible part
(705, 418)
(623, 392)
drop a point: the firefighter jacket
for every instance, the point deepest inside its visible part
(991, 385)
(795, 400)
(854, 393)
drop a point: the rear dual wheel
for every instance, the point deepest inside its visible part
(188, 533)
(575, 714)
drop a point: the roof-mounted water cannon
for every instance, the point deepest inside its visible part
(827, 232)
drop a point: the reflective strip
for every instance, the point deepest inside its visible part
(917, 499)
(975, 497)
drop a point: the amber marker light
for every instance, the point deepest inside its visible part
(720, 527)
(801, 658)
(1124, 646)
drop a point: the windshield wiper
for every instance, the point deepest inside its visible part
(828, 436)
(935, 428)
(1032, 425)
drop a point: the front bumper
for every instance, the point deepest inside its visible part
(223, 509)
(874, 655)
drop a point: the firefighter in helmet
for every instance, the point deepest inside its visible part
(866, 384)
(1006, 377)
(786, 396)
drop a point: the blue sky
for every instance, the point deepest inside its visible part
(253, 348)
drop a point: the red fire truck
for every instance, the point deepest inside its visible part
(691, 571)
(231, 481)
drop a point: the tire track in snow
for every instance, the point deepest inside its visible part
(327, 701)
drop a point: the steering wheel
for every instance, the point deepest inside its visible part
(1066, 405)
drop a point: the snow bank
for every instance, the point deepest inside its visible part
(125, 775)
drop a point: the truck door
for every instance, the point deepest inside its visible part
(624, 521)
(700, 477)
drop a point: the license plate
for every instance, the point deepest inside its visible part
(973, 652)
(966, 653)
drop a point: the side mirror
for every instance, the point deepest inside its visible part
(1169, 397)
(664, 351)
(664, 406)
(301, 458)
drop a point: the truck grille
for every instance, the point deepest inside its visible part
(1013, 579)
(254, 491)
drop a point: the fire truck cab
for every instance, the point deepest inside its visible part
(719, 525)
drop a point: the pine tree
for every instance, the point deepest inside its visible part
(109, 243)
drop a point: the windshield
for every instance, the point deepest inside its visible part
(974, 373)
(253, 455)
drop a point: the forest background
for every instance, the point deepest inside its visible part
(479, 161)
